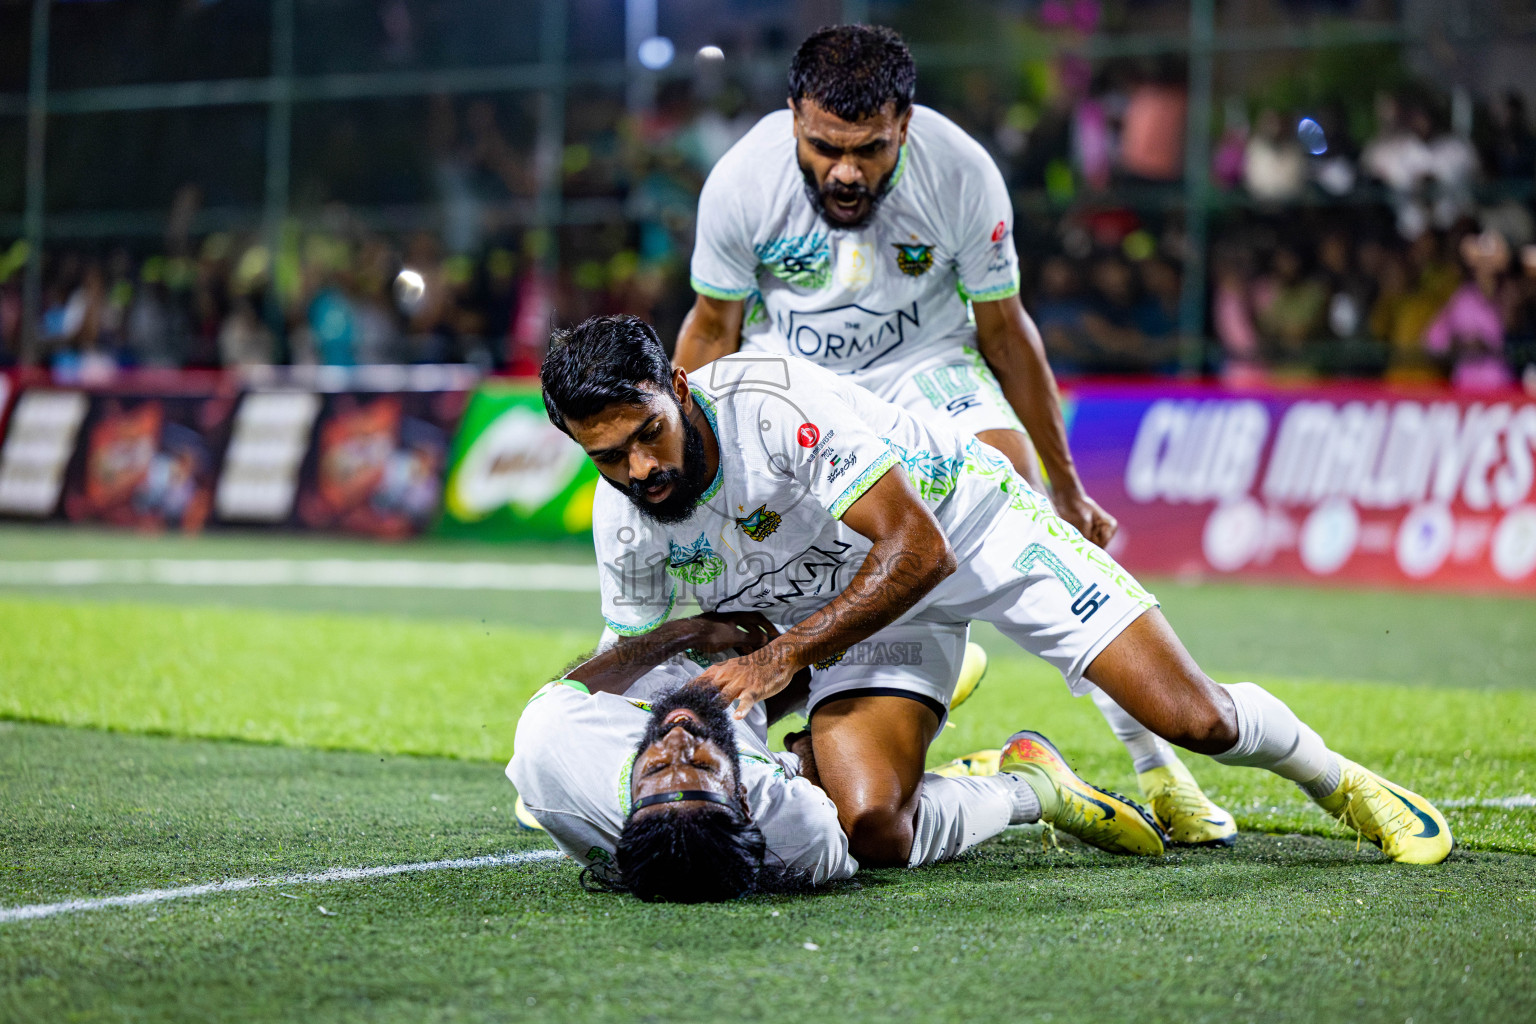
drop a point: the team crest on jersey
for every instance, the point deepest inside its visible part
(760, 524)
(804, 261)
(913, 260)
(696, 564)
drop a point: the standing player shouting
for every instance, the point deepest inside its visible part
(875, 238)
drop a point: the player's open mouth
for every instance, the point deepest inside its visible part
(681, 715)
(847, 208)
(661, 493)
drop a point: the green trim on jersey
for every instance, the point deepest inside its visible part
(993, 294)
(623, 630)
(865, 481)
(901, 167)
(708, 405)
(723, 294)
(626, 770)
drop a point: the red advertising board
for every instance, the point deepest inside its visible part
(1347, 483)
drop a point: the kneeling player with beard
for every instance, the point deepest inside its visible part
(645, 779)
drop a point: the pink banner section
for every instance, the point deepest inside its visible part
(1352, 484)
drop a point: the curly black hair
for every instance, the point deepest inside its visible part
(854, 71)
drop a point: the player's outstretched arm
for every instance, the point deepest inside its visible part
(711, 329)
(909, 558)
(1010, 343)
(616, 669)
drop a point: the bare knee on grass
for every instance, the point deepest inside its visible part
(869, 756)
(1149, 673)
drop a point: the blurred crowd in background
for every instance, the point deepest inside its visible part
(1364, 222)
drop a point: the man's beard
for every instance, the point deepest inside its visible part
(818, 196)
(688, 483)
(714, 722)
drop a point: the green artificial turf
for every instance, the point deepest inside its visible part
(1233, 628)
(1278, 929)
(456, 689)
(339, 681)
(1435, 691)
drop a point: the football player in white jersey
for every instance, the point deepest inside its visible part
(872, 537)
(875, 238)
(650, 785)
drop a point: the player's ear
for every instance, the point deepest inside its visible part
(680, 386)
(906, 119)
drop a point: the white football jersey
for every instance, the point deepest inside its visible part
(573, 757)
(869, 302)
(798, 446)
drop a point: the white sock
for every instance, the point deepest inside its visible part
(1270, 736)
(954, 815)
(1148, 750)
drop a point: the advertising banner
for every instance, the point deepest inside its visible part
(7, 391)
(39, 441)
(146, 461)
(260, 478)
(1347, 483)
(376, 464)
(513, 475)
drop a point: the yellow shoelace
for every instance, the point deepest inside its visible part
(1382, 811)
(1186, 794)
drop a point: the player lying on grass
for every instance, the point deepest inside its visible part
(872, 236)
(644, 778)
(765, 484)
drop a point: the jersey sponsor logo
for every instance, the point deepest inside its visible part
(855, 264)
(1089, 602)
(841, 464)
(913, 260)
(804, 261)
(1086, 600)
(848, 338)
(956, 406)
(808, 435)
(814, 572)
(1000, 256)
(696, 564)
(761, 523)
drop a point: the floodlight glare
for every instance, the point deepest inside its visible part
(410, 289)
(656, 53)
(1311, 135)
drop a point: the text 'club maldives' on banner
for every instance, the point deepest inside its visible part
(1354, 484)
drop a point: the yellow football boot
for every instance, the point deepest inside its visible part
(971, 670)
(982, 762)
(1402, 824)
(1096, 816)
(1185, 813)
(524, 818)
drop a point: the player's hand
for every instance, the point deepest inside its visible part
(750, 679)
(743, 632)
(1084, 513)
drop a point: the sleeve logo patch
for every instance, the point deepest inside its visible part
(808, 435)
(999, 231)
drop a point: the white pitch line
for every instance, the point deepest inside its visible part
(34, 911)
(293, 572)
(1506, 803)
